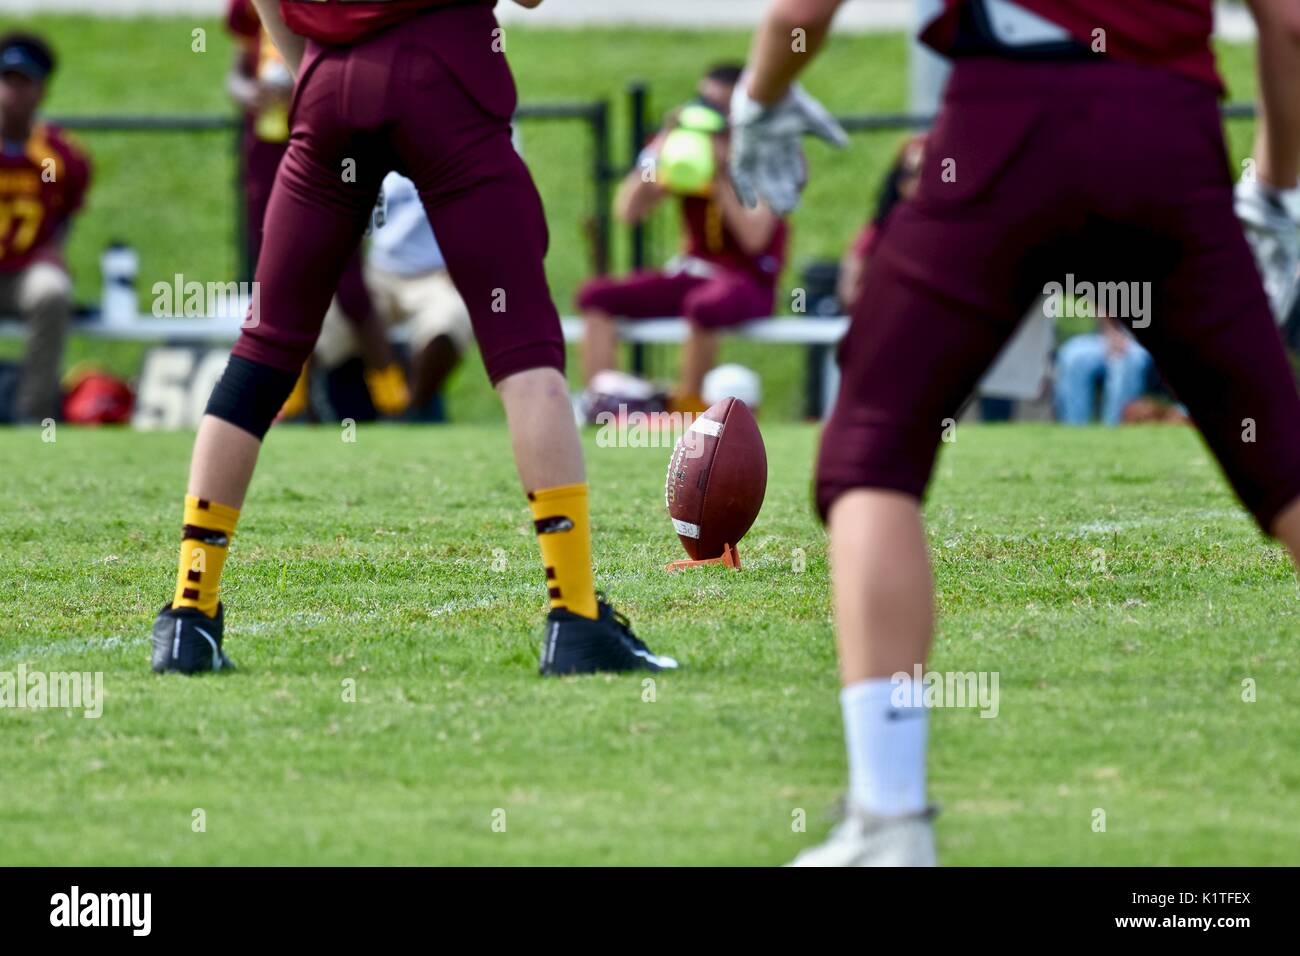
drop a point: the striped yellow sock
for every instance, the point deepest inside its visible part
(205, 541)
(564, 532)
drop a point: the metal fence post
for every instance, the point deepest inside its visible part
(601, 172)
(638, 94)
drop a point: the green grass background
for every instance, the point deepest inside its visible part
(171, 195)
(1106, 576)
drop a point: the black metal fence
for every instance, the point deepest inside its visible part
(594, 115)
(603, 170)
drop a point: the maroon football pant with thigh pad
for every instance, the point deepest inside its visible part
(1033, 173)
(433, 100)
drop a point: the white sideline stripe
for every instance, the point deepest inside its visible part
(686, 528)
(81, 645)
(1114, 527)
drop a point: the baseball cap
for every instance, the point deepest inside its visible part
(26, 54)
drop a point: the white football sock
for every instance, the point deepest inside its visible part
(886, 745)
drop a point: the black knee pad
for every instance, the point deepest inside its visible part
(249, 395)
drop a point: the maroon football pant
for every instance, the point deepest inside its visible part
(719, 301)
(430, 99)
(1111, 173)
(261, 162)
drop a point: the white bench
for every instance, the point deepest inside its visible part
(821, 333)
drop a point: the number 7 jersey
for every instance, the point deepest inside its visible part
(42, 183)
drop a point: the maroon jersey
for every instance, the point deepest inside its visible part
(1174, 34)
(344, 22)
(42, 183)
(708, 238)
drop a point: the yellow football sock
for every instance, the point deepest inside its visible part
(204, 543)
(685, 403)
(388, 389)
(564, 533)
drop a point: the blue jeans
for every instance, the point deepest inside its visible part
(1081, 362)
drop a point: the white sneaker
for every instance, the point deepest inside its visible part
(1271, 232)
(863, 839)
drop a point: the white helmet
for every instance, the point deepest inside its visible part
(733, 381)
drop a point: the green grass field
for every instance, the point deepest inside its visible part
(1107, 577)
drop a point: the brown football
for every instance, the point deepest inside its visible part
(716, 479)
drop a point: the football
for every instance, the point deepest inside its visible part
(717, 477)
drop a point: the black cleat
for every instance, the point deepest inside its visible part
(187, 641)
(578, 645)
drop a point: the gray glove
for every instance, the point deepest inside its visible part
(1273, 239)
(767, 160)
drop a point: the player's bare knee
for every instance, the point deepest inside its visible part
(534, 384)
(46, 291)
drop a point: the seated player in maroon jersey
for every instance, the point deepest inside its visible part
(1075, 136)
(421, 87)
(43, 180)
(726, 273)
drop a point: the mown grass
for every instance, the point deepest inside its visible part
(1107, 577)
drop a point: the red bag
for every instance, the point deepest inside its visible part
(98, 398)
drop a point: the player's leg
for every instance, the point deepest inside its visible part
(1126, 380)
(1080, 362)
(604, 300)
(699, 354)
(1212, 336)
(440, 330)
(499, 273)
(910, 359)
(721, 302)
(385, 376)
(952, 279)
(45, 302)
(313, 223)
(486, 212)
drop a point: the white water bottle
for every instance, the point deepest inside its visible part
(119, 267)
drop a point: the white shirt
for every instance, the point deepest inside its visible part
(405, 243)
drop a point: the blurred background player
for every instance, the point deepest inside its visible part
(899, 186)
(1031, 116)
(43, 181)
(731, 257)
(1109, 357)
(409, 284)
(420, 87)
(261, 83)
